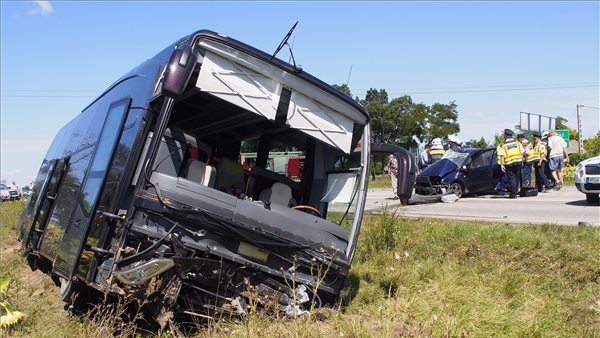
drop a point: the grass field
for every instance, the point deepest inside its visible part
(410, 278)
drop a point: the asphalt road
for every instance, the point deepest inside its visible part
(566, 207)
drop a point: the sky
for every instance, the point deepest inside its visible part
(493, 59)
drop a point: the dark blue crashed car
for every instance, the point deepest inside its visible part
(468, 171)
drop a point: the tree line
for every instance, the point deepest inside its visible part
(397, 120)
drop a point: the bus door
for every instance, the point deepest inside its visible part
(45, 202)
(75, 233)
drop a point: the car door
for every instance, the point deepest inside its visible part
(496, 171)
(479, 173)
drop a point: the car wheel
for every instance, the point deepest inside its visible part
(592, 198)
(457, 189)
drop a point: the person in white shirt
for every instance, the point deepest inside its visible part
(558, 154)
(424, 158)
(393, 173)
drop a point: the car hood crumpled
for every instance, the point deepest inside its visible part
(440, 168)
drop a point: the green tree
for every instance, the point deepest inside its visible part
(481, 143)
(397, 120)
(498, 139)
(343, 88)
(592, 145)
(561, 124)
(442, 120)
(376, 96)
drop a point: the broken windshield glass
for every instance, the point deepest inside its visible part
(456, 157)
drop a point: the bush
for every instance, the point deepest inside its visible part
(575, 158)
(592, 145)
(569, 173)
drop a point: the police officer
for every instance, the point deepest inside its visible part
(511, 161)
(437, 150)
(547, 170)
(537, 158)
(454, 143)
(502, 185)
(526, 162)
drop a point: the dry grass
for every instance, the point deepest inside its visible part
(410, 278)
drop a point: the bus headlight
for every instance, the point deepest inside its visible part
(145, 271)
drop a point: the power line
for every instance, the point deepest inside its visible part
(50, 96)
(40, 93)
(493, 86)
(50, 90)
(487, 90)
(360, 90)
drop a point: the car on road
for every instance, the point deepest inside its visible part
(468, 171)
(587, 178)
(9, 194)
(26, 191)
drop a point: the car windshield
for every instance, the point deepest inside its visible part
(456, 157)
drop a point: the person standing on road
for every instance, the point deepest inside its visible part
(537, 158)
(547, 169)
(558, 156)
(502, 185)
(526, 163)
(437, 150)
(393, 172)
(511, 159)
(424, 158)
(454, 143)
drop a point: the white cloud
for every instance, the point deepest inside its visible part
(43, 7)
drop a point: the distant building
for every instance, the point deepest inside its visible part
(573, 147)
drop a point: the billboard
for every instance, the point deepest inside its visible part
(535, 122)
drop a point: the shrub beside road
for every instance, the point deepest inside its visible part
(420, 277)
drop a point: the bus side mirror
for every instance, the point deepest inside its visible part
(179, 70)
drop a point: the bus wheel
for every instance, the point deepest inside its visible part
(67, 289)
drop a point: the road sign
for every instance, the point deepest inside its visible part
(531, 122)
(564, 133)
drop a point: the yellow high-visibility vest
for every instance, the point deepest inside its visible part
(537, 152)
(512, 152)
(498, 150)
(526, 157)
(436, 152)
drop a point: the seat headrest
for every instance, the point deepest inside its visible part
(201, 172)
(280, 194)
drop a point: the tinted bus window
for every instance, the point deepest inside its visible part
(103, 155)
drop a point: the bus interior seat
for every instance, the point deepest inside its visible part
(201, 172)
(230, 176)
(278, 193)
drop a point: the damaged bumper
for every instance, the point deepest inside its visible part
(202, 270)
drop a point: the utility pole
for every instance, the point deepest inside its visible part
(580, 138)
